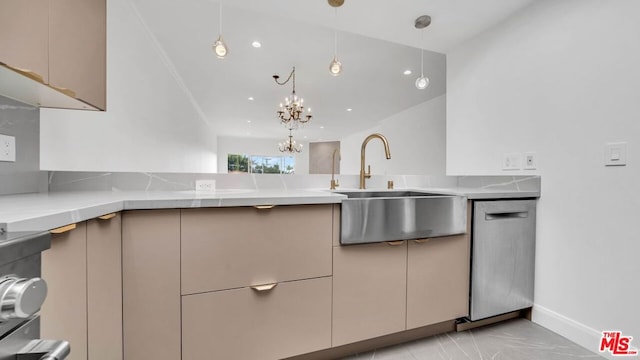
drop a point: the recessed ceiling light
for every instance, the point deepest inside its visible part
(349, 109)
(407, 72)
(305, 137)
(248, 121)
(321, 127)
(256, 44)
(250, 98)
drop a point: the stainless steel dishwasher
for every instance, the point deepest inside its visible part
(503, 254)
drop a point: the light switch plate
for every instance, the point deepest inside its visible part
(512, 161)
(7, 148)
(615, 154)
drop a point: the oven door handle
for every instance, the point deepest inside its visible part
(44, 350)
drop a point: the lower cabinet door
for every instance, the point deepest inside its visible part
(266, 323)
(369, 291)
(437, 280)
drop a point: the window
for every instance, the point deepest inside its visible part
(259, 164)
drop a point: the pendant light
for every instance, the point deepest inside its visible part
(335, 68)
(422, 22)
(219, 47)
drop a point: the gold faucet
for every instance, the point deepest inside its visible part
(334, 183)
(366, 175)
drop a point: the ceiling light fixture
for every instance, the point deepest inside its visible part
(422, 22)
(256, 44)
(290, 145)
(335, 68)
(291, 113)
(407, 72)
(219, 47)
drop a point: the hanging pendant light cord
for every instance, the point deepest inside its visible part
(335, 36)
(422, 53)
(220, 15)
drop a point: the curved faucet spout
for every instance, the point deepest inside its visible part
(365, 175)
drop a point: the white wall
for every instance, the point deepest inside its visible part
(416, 140)
(561, 78)
(150, 125)
(254, 146)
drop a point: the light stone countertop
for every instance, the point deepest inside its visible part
(44, 211)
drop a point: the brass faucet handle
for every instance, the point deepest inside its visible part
(368, 173)
(334, 184)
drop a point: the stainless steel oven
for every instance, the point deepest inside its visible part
(22, 292)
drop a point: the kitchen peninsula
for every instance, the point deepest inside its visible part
(260, 266)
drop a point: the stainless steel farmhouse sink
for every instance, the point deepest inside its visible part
(378, 216)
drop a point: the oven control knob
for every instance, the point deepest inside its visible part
(21, 298)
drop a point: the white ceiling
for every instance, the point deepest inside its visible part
(377, 41)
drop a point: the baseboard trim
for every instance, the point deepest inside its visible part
(575, 331)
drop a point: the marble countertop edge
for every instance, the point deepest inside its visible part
(45, 211)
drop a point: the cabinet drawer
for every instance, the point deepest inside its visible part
(225, 248)
(291, 319)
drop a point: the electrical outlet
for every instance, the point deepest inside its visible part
(530, 161)
(7, 148)
(205, 185)
(512, 161)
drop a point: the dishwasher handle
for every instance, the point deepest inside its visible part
(506, 215)
(45, 350)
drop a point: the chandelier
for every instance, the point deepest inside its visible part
(290, 145)
(291, 112)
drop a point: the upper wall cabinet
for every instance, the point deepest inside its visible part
(53, 52)
(24, 36)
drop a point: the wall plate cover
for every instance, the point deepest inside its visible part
(530, 161)
(7, 148)
(615, 154)
(512, 161)
(205, 185)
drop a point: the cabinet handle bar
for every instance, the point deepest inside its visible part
(395, 243)
(263, 288)
(107, 216)
(63, 229)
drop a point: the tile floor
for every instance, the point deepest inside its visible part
(517, 339)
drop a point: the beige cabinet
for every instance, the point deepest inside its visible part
(369, 291)
(24, 36)
(61, 44)
(437, 280)
(380, 289)
(256, 283)
(290, 319)
(78, 48)
(224, 248)
(64, 268)
(84, 304)
(151, 284)
(104, 287)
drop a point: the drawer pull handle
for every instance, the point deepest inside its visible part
(265, 287)
(421, 241)
(63, 229)
(264, 207)
(395, 243)
(65, 91)
(28, 73)
(107, 216)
